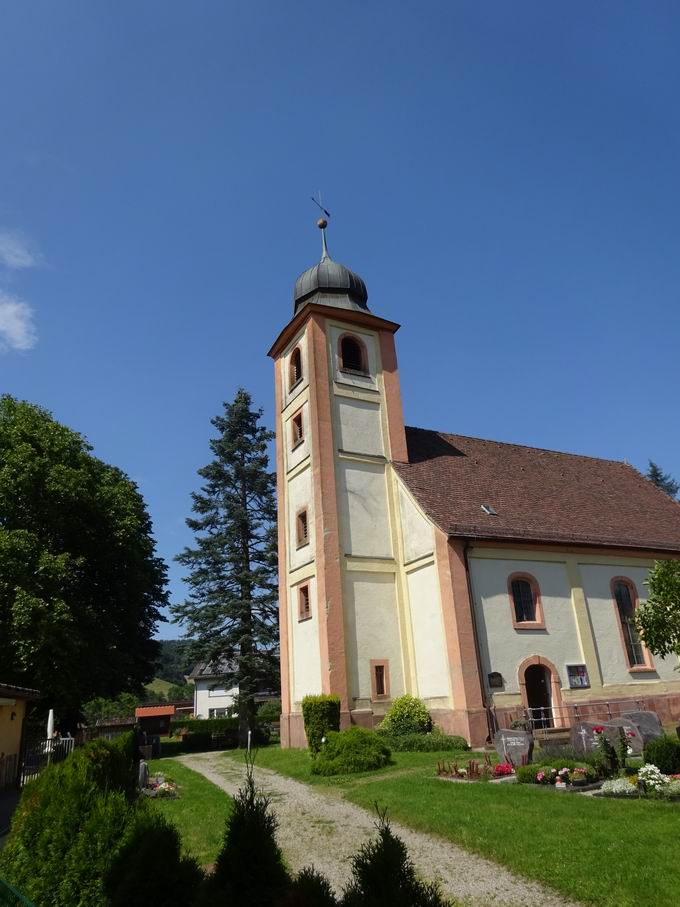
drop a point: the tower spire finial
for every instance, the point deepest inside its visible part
(322, 223)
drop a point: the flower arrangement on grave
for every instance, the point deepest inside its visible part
(502, 769)
(651, 779)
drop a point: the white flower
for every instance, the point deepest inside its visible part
(652, 778)
(619, 786)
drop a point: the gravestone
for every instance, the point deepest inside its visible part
(514, 746)
(648, 722)
(633, 734)
(584, 737)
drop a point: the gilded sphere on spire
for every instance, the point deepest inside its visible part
(322, 223)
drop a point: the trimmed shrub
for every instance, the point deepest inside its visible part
(321, 714)
(250, 871)
(203, 725)
(384, 874)
(433, 742)
(269, 712)
(407, 715)
(309, 889)
(526, 774)
(149, 868)
(354, 750)
(664, 752)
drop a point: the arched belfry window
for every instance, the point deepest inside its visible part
(625, 597)
(353, 355)
(295, 367)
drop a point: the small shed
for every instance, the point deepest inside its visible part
(155, 719)
(12, 712)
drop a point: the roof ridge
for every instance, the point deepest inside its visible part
(562, 453)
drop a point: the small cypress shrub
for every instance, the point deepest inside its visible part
(354, 750)
(309, 889)
(664, 752)
(383, 873)
(249, 871)
(407, 715)
(149, 869)
(321, 714)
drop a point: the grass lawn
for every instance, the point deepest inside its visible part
(296, 764)
(198, 813)
(605, 852)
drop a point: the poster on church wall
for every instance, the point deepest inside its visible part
(578, 677)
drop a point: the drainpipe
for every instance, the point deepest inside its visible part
(478, 656)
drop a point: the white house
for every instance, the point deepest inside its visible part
(213, 694)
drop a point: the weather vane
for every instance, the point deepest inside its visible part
(323, 211)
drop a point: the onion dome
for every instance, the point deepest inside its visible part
(330, 283)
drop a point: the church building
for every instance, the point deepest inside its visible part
(489, 579)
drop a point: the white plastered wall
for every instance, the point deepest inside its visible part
(417, 530)
(212, 694)
(372, 631)
(304, 642)
(602, 610)
(299, 497)
(359, 426)
(363, 509)
(429, 641)
(502, 647)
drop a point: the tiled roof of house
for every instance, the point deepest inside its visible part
(538, 495)
(154, 711)
(220, 668)
(13, 692)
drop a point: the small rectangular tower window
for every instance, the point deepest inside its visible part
(380, 679)
(302, 529)
(297, 429)
(304, 605)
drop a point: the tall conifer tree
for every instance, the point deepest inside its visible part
(232, 608)
(662, 480)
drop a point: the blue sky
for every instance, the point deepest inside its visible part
(503, 176)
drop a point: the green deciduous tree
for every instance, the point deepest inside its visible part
(662, 480)
(658, 620)
(80, 584)
(231, 611)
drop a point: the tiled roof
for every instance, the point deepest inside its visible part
(153, 711)
(221, 668)
(538, 495)
(12, 692)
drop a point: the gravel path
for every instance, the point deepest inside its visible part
(317, 828)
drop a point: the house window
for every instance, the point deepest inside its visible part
(297, 429)
(304, 606)
(380, 679)
(218, 713)
(353, 355)
(302, 529)
(625, 597)
(295, 367)
(525, 602)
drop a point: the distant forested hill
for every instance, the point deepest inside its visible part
(173, 660)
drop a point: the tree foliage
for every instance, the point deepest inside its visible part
(231, 611)
(662, 480)
(174, 660)
(80, 584)
(658, 621)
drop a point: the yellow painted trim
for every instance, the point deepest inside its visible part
(425, 560)
(296, 402)
(401, 586)
(583, 626)
(374, 459)
(299, 468)
(556, 557)
(355, 564)
(301, 573)
(368, 395)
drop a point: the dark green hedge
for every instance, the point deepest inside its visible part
(424, 743)
(664, 752)
(202, 725)
(321, 714)
(355, 750)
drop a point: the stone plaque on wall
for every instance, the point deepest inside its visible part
(515, 746)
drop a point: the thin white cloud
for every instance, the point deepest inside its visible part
(17, 252)
(17, 330)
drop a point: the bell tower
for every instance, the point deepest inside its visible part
(339, 425)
